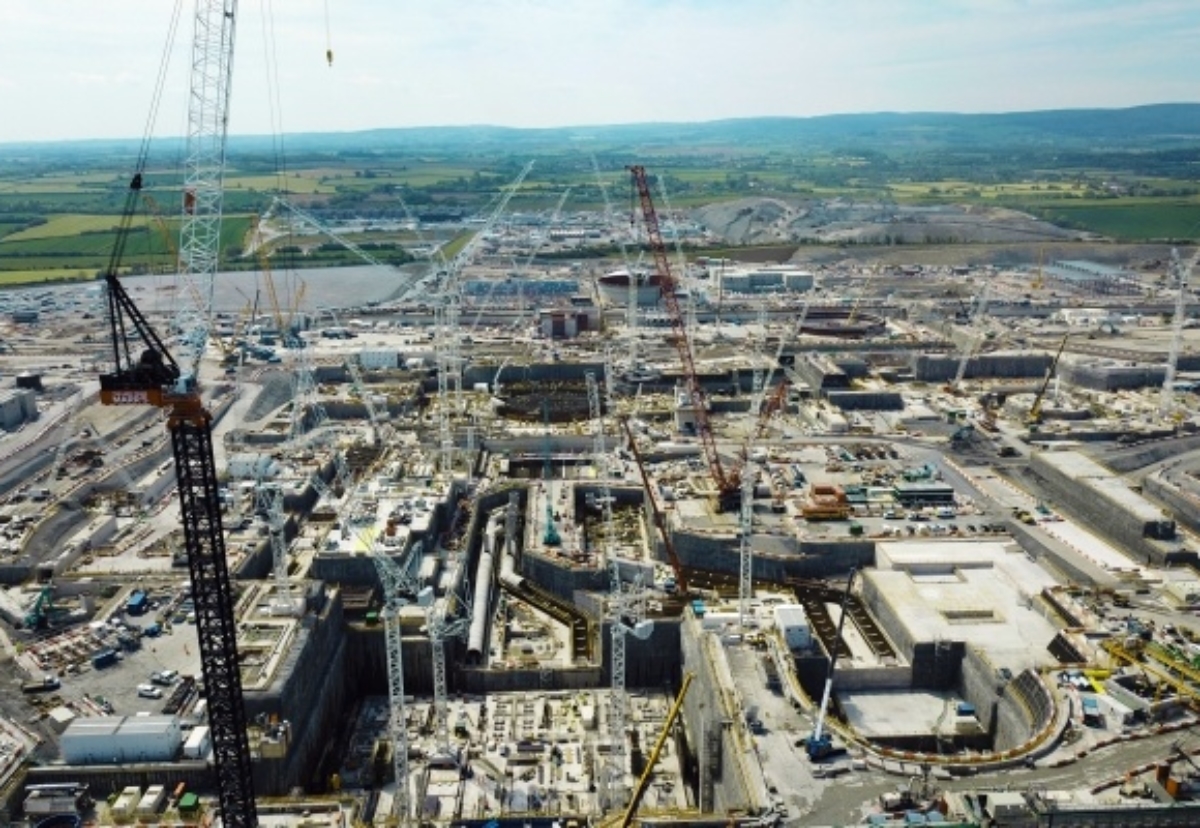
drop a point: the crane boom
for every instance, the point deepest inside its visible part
(1035, 410)
(204, 164)
(644, 780)
(727, 482)
(819, 744)
(681, 581)
(155, 378)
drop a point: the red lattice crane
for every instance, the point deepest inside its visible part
(727, 481)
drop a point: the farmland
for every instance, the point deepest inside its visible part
(59, 209)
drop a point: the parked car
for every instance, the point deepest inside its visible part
(149, 691)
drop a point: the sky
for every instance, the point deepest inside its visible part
(79, 69)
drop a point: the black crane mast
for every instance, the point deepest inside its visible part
(145, 373)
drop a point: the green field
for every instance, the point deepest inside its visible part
(85, 243)
(12, 278)
(1129, 222)
(65, 225)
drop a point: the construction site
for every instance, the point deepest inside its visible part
(689, 541)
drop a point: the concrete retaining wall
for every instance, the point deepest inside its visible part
(1185, 507)
(874, 678)
(801, 559)
(311, 691)
(977, 684)
(708, 725)
(866, 400)
(1099, 511)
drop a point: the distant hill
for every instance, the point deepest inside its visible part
(1155, 126)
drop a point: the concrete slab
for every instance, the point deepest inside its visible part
(893, 714)
(1091, 546)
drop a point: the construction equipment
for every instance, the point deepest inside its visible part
(154, 378)
(1182, 274)
(398, 590)
(1034, 418)
(442, 628)
(204, 162)
(616, 597)
(681, 582)
(652, 759)
(973, 341)
(728, 482)
(746, 549)
(43, 609)
(820, 745)
(229, 351)
(287, 337)
(550, 536)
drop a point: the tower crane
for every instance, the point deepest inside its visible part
(145, 373)
(727, 482)
(550, 536)
(398, 589)
(441, 629)
(625, 617)
(973, 341)
(268, 498)
(447, 310)
(1182, 276)
(746, 551)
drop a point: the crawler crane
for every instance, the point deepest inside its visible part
(727, 481)
(820, 745)
(145, 373)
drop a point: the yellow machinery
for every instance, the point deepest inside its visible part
(652, 760)
(1034, 418)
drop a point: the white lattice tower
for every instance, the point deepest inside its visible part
(437, 642)
(746, 551)
(398, 588)
(306, 403)
(454, 340)
(204, 161)
(1181, 273)
(445, 442)
(609, 378)
(269, 502)
(617, 711)
(398, 717)
(758, 355)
